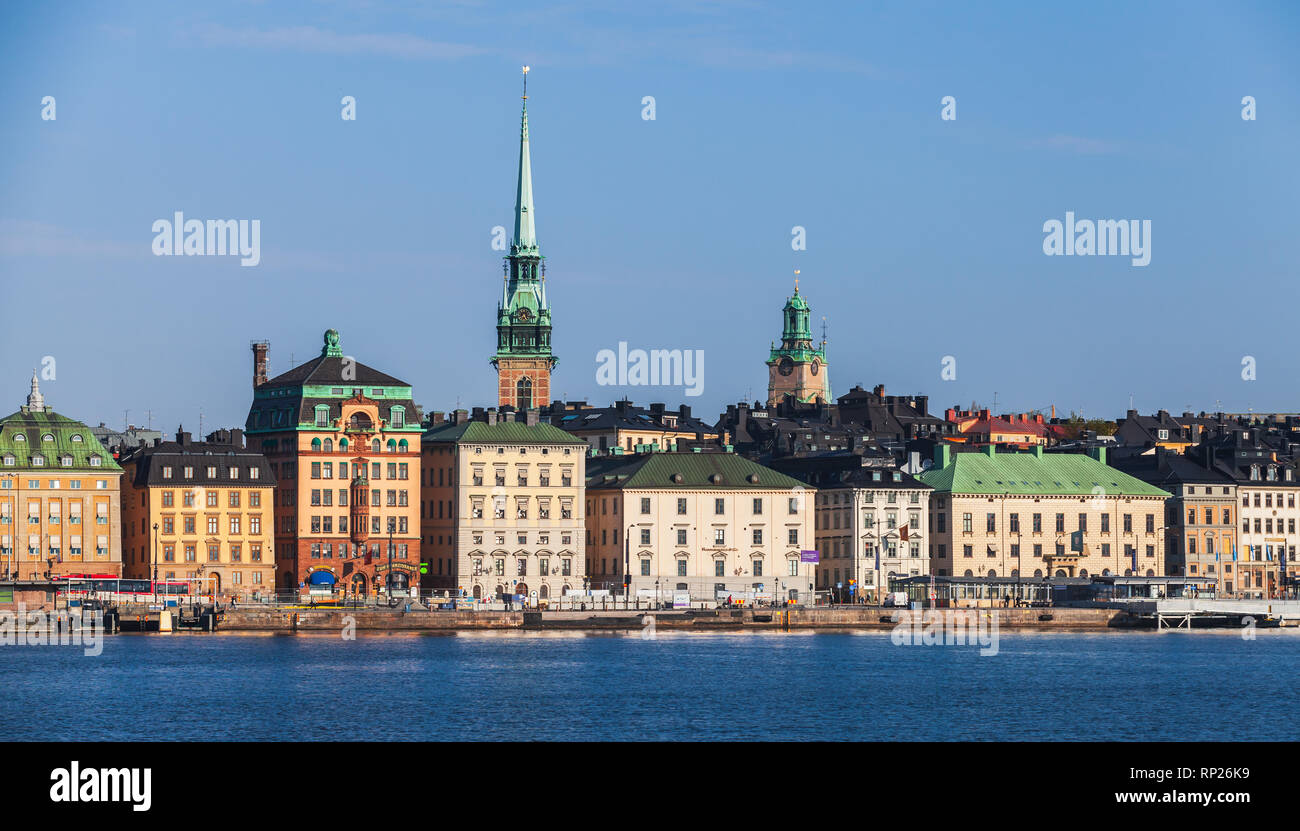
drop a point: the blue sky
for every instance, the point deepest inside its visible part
(924, 236)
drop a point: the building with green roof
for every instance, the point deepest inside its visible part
(1041, 514)
(699, 524)
(60, 496)
(501, 507)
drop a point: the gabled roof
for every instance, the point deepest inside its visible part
(1053, 474)
(660, 471)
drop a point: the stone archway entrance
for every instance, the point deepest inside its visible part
(358, 587)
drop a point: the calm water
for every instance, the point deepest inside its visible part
(1114, 686)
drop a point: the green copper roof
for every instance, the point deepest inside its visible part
(508, 432)
(659, 471)
(1052, 474)
(67, 438)
(525, 231)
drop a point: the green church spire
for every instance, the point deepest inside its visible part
(525, 230)
(523, 314)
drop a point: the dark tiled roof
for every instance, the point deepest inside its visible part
(150, 461)
(332, 370)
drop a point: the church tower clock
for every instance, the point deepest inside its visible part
(795, 369)
(523, 359)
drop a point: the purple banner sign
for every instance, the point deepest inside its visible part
(810, 557)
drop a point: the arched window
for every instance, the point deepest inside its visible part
(375, 446)
(328, 446)
(397, 416)
(343, 445)
(76, 437)
(315, 445)
(524, 394)
(403, 445)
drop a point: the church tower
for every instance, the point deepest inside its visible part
(795, 368)
(523, 359)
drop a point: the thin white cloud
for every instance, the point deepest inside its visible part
(324, 42)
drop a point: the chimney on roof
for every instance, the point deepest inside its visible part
(260, 348)
(435, 418)
(878, 390)
(507, 416)
(683, 412)
(530, 417)
(460, 416)
(622, 406)
(491, 415)
(656, 411)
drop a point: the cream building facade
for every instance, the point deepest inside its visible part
(710, 524)
(1041, 514)
(502, 507)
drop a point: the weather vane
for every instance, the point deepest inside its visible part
(796, 281)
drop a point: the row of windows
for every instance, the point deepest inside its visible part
(46, 437)
(719, 536)
(352, 551)
(522, 539)
(1014, 550)
(390, 498)
(38, 460)
(326, 470)
(232, 472)
(324, 524)
(234, 524)
(991, 521)
(52, 546)
(719, 505)
(235, 553)
(211, 499)
(1268, 500)
(53, 484)
(521, 477)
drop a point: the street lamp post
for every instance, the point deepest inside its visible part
(155, 563)
(388, 578)
(627, 565)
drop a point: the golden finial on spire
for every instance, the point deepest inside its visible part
(796, 281)
(525, 83)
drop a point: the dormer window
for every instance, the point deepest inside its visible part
(397, 416)
(19, 437)
(47, 437)
(9, 460)
(38, 461)
(95, 460)
(1162, 435)
(76, 437)
(1254, 472)
(66, 461)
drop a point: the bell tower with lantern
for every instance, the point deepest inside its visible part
(796, 369)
